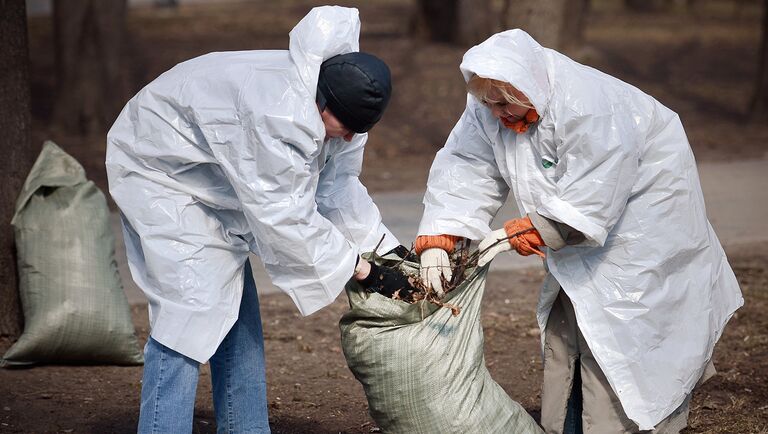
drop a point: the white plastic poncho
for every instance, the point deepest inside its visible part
(651, 285)
(225, 153)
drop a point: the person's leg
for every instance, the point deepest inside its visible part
(560, 356)
(574, 410)
(675, 422)
(237, 370)
(602, 410)
(168, 388)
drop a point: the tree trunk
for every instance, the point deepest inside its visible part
(759, 104)
(88, 40)
(544, 20)
(574, 20)
(460, 22)
(647, 5)
(18, 155)
(557, 24)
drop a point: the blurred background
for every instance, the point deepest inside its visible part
(701, 58)
(67, 67)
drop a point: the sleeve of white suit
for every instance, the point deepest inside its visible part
(343, 199)
(597, 164)
(465, 188)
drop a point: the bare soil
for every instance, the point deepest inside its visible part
(312, 390)
(701, 65)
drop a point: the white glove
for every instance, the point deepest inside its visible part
(488, 255)
(435, 262)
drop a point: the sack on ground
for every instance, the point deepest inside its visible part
(75, 310)
(422, 369)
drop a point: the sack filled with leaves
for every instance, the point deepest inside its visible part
(75, 310)
(420, 359)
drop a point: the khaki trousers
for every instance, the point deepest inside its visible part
(593, 407)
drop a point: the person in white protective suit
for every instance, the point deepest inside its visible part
(638, 288)
(246, 151)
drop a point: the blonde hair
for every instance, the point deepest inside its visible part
(481, 87)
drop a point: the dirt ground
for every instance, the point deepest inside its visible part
(701, 65)
(310, 388)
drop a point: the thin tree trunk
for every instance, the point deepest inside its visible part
(647, 5)
(759, 105)
(475, 22)
(557, 24)
(18, 155)
(89, 38)
(574, 19)
(542, 19)
(461, 22)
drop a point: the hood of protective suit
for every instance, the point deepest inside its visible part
(513, 57)
(321, 34)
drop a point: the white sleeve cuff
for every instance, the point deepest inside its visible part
(556, 209)
(548, 230)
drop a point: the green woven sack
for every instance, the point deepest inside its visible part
(422, 369)
(75, 310)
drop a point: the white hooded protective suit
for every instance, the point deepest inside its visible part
(224, 154)
(651, 285)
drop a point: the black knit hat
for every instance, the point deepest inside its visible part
(356, 88)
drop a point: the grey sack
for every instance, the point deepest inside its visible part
(75, 310)
(422, 369)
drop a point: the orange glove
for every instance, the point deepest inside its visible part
(527, 243)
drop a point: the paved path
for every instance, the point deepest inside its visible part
(736, 194)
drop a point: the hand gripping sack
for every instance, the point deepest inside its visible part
(74, 306)
(422, 369)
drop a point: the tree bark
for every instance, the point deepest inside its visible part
(543, 19)
(460, 22)
(759, 105)
(18, 155)
(647, 5)
(557, 24)
(88, 40)
(574, 20)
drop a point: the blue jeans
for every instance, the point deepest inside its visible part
(169, 382)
